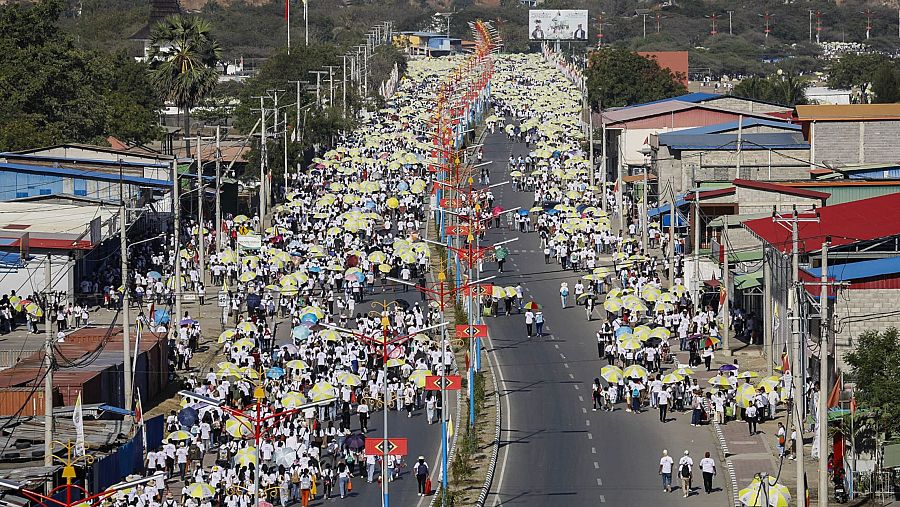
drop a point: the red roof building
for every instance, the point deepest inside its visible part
(853, 222)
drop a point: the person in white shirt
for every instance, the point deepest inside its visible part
(662, 400)
(686, 472)
(665, 470)
(708, 467)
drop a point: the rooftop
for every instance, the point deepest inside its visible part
(50, 225)
(859, 270)
(781, 189)
(846, 223)
(679, 140)
(665, 107)
(845, 112)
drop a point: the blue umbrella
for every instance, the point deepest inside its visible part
(728, 367)
(188, 416)
(552, 211)
(314, 269)
(161, 316)
(523, 212)
(156, 275)
(300, 333)
(403, 186)
(309, 318)
(370, 204)
(622, 330)
(275, 372)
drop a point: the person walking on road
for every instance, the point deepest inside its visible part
(708, 467)
(564, 294)
(539, 323)
(686, 472)
(529, 322)
(421, 474)
(750, 416)
(665, 470)
(662, 401)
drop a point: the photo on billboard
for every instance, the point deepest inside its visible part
(548, 24)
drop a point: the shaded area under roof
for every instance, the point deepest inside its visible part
(859, 270)
(729, 142)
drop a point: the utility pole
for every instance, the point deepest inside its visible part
(737, 171)
(330, 85)
(824, 326)
(793, 221)
(201, 238)
(726, 277)
(49, 358)
(671, 245)
(645, 201)
(729, 23)
(343, 90)
(176, 206)
(126, 300)
(644, 24)
(218, 191)
(263, 159)
(306, 22)
(695, 286)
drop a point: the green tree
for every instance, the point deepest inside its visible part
(619, 77)
(52, 91)
(875, 366)
(855, 70)
(884, 85)
(782, 88)
(184, 55)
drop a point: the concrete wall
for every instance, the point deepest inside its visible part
(861, 142)
(861, 310)
(758, 165)
(751, 200)
(749, 106)
(30, 279)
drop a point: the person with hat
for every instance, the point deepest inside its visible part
(685, 472)
(421, 474)
(665, 470)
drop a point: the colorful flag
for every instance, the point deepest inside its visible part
(834, 398)
(450, 427)
(78, 420)
(138, 410)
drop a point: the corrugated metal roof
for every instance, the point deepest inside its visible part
(671, 106)
(846, 223)
(858, 270)
(781, 189)
(694, 98)
(747, 123)
(728, 142)
(89, 175)
(844, 112)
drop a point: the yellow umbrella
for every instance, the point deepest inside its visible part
(247, 276)
(230, 371)
(245, 343)
(348, 379)
(200, 490)
(297, 364)
(236, 428)
(635, 370)
(650, 293)
(642, 333)
(180, 435)
(613, 305)
(661, 333)
(392, 203)
(315, 310)
(293, 399)
(384, 268)
(241, 219)
(672, 378)
(765, 493)
(396, 361)
(769, 384)
(322, 391)
(247, 327)
(227, 335)
(34, 310)
(748, 374)
(330, 335)
(378, 257)
(719, 381)
(745, 395)
(418, 376)
(245, 456)
(611, 373)
(684, 370)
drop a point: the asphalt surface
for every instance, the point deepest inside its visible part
(554, 449)
(423, 439)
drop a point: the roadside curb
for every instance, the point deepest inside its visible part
(489, 477)
(729, 465)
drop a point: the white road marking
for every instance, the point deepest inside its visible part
(583, 410)
(556, 345)
(566, 365)
(587, 422)
(576, 386)
(593, 450)
(562, 356)
(572, 376)
(597, 465)
(601, 498)
(599, 482)
(590, 437)
(508, 415)
(580, 398)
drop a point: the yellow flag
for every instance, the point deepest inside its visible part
(450, 427)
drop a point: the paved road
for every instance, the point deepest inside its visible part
(554, 449)
(423, 439)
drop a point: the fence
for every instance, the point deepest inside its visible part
(128, 458)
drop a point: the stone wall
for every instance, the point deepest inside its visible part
(862, 142)
(856, 311)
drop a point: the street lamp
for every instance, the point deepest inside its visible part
(383, 341)
(253, 422)
(69, 474)
(441, 295)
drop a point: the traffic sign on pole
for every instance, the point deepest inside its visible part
(457, 230)
(451, 383)
(478, 290)
(464, 331)
(396, 446)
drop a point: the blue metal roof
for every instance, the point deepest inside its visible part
(664, 209)
(728, 142)
(857, 270)
(70, 160)
(10, 259)
(693, 98)
(733, 125)
(88, 175)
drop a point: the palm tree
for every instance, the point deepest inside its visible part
(183, 56)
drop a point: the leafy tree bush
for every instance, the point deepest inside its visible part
(619, 77)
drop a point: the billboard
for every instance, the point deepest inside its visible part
(557, 24)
